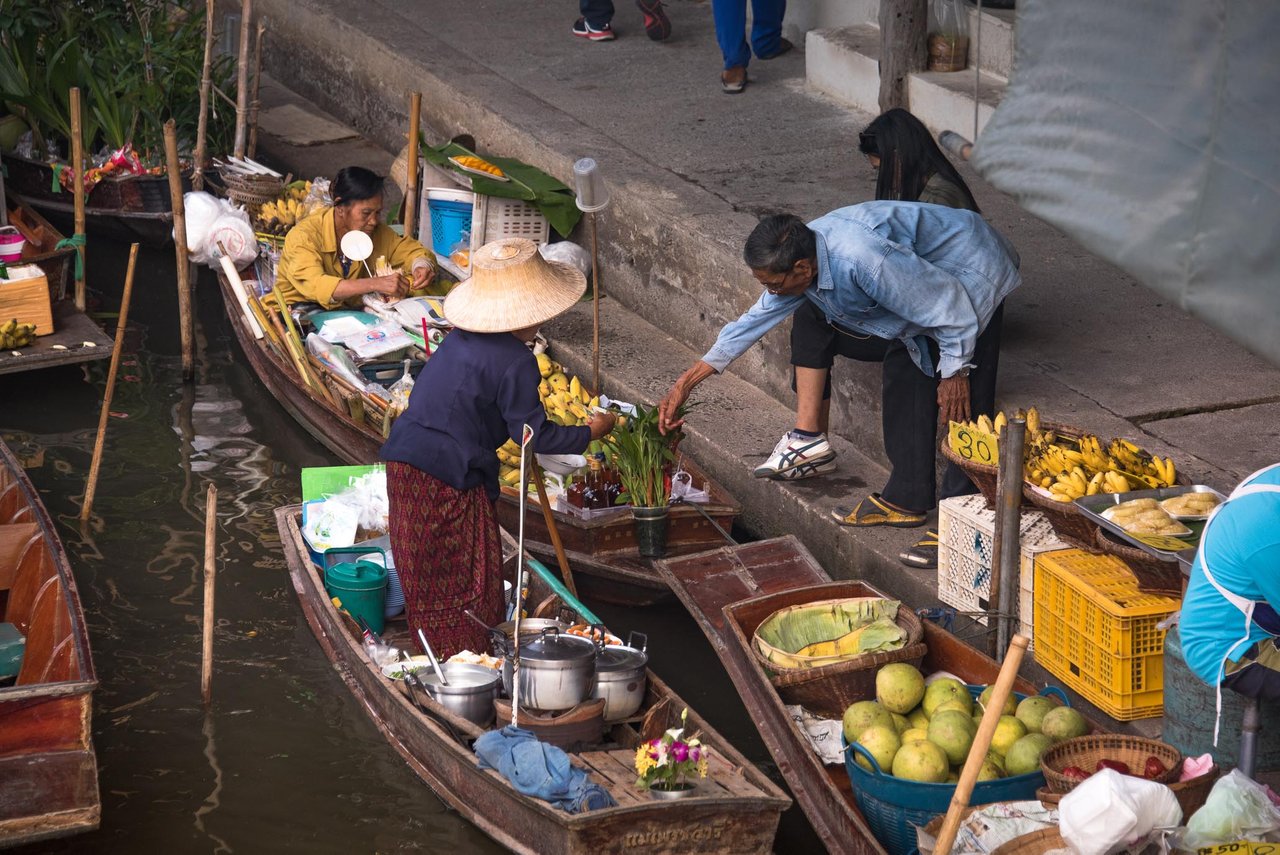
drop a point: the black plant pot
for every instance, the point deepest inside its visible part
(651, 530)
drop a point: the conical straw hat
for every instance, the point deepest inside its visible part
(512, 287)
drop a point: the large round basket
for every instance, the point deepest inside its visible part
(1154, 576)
(1035, 843)
(1191, 794)
(827, 690)
(983, 475)
(252, 191)
(1086, 751)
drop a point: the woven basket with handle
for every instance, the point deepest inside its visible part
(1191, 794)
(1085, 752)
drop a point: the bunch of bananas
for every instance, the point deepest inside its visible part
(14, 334)
(509, 464)
(279, 215)
(1070, 467)
(986, 424)
(298, 190)
(566, 400)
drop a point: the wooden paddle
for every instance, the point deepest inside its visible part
(981, 745)
(552, 527)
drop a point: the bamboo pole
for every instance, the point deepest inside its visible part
(549, 517)
(210, 571)
(186, 327)
(77, 171)
(206, 82)
(255, 105)
(595, 307)
(242, 78)
(92, 485)
(981, 744)
(411, 166)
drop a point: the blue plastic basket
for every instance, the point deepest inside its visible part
(449, 220)
(894, 807)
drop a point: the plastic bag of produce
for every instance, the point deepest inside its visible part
(1108, 812)
(1238, 808)
(336, 359)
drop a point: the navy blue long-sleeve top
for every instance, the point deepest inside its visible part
(476, 391)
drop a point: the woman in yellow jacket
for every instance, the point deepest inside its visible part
(312, 267)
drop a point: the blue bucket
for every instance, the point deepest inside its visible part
(449, 220)
(894, 807)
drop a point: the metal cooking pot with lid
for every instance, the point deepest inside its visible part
(470, 692)
(622, 676)
(556, 670)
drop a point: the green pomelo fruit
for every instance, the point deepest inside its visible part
(1032, 711)
(882, 742)
(1010, 703)
(952, 731)
(958, 705)
(1008, 731)
(858, 717)
(918, 718)
(914, 734)
(921, 761)
(940, 691)
(899, 687)
(1024, 755)
(990, 771)
(1063, 723)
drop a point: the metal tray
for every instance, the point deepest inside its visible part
(1165, 548)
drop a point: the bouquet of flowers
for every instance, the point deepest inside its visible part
(665, 763)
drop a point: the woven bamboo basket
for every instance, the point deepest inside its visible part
(1191, 795)
(982, 475)
(827, 690)
(1035, 843)
(1086, 751)
(252, 191)
(1154, 576)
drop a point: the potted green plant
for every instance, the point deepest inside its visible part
(642, 454)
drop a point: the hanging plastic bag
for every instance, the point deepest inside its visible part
(202, 210)
(948, 35)
(1238, 808)
(401, 389)
(568, 252)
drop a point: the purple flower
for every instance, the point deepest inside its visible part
(680, 751)
(695, 753)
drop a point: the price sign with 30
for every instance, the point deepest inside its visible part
(973, 444)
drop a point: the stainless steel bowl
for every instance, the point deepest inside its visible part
(470, 693)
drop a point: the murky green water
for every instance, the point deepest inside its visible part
(285, 760)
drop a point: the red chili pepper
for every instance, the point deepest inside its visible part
(1154, 769)
(1122, 768)
(1075, 773)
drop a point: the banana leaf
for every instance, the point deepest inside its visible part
(795, 627)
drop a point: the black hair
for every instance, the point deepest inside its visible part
(354, 183)
(777, 242)
(909, 157)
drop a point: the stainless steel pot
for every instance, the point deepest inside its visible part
(470, 693)
(622, 677)
(556, 671)
(530, 628)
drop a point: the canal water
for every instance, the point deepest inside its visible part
(284, 760)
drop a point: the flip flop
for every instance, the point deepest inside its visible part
(923, 553)
(874, 510)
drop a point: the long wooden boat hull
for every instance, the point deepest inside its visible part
(721, 589)
(741, 815)
(48, 770)
(602, 550)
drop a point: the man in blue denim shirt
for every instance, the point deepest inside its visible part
(929, 278)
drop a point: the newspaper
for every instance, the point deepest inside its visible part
(991, 826)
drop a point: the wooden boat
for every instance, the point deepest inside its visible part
(724, 590)
(602, 552)
(128, 208)
(736, 809)
(48, 771)
(72, 327)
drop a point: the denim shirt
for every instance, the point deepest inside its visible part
(897, 270)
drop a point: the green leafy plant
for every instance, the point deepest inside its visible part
(641, 454)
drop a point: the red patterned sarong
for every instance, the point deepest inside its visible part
(447, 552)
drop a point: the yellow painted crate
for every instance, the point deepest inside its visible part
(1098, 633)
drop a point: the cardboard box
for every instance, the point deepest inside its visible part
(27, 300)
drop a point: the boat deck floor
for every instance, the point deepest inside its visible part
(72, 329)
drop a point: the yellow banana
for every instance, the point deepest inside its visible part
(984, 424)
(1001, 421)
(544, 365)
(575, 388)
(1033, 421)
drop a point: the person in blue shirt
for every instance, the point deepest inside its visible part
(479, 389)
(931, 280)
(1229, 623)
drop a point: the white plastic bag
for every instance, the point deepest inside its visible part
(1237, 809)
(233, 231)
(568, 252)
(1108, 812)
(201, 210)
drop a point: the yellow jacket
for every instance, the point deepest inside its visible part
(310, 269)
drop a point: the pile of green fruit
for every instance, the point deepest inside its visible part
(924, 734)
(14, 334)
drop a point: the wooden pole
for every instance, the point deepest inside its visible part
(77, 169)
(1006, 545)
(411, 167)
(256, 105)
(904, 26)
(549, 517)
(242, 79)
(595, 307)
(186, 327)
(206, 83)
(981, 744)
(92, 485)
(210, 571)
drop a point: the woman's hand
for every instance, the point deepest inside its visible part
(601, 424)
(953, 398)
(423, 275)
(392, 285)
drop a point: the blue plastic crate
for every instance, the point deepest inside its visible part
(449, 220)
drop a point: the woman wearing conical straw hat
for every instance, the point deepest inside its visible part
(477, 391)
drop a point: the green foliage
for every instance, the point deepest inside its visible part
(641, 453)
(137, 62)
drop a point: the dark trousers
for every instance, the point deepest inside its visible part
(597, 12)
(910, 420)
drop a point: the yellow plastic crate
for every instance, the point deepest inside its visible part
(1098, 633)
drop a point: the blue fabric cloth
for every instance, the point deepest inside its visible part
(731, 26)
(1242, 546)
(475, 392)
(540, 770)
(898, 270)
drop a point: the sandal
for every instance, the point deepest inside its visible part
(922, 554)
(874, 510)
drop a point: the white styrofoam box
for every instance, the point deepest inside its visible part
(966, 534)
